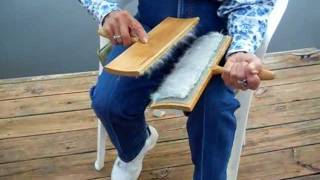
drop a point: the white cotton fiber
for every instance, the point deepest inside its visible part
(190, 67)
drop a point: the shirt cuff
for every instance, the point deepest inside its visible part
(104, 10)
(241, 46)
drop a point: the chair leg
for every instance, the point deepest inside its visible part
(101, 144)
(244, 137)
(244, 98)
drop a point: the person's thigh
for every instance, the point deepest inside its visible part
(128, 95)
(120, 102)
(211, 127)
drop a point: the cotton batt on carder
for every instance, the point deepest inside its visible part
(194, 68)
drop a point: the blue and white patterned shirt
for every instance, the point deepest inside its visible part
(247, 19)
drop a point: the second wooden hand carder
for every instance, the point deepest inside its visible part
(183, 87)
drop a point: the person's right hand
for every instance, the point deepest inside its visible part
(121, 28)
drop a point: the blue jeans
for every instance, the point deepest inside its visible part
(120, 101)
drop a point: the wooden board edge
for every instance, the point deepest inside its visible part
(147, 64)
(171, 105)
(47, 77)
(188, 106)
(179, 37)
(223, 48)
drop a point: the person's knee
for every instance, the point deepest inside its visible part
(116, 107)
(103, 105)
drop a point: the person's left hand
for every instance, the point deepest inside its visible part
(241, 71)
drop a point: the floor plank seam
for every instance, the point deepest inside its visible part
(86, 152)
(151, 169)
(308, 175)
(45, 95)
(35, 114)
(84, 91)
(276, 85)
(280, 149)
(60, 76)
(287, 102)
(287, 123)
(47, 113)
(84, 129)
(291, 67)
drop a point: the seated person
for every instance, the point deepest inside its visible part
(120, 102)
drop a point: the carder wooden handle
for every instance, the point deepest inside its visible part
(103, 33)
(263, 74)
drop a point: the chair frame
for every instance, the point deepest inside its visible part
(244, 97)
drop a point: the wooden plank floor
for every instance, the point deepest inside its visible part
(48, 131)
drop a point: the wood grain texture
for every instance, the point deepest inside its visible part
(139, 57)
(287, 163)
(312, 177)
(53, 135)
(81, 165)
(60, 122)
(44, 105)
(73, 142)
(286, 93)
(276, 61)
(46, 87)
(47, 77)
(294, 75)
(282, 137)
(296, 161)
(283, 113)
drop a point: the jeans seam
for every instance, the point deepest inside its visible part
(108, 115)
(179, 10)
(203, 137)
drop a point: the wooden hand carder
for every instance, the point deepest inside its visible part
(183, 87)
(139, 57)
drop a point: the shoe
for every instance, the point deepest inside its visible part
(131, 170)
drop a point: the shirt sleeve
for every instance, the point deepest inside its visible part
(247, 22)
(100, 8)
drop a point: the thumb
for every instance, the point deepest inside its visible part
(254, 67)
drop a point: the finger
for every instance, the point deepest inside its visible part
(250, 69)
(134, 37)
(241, 71)
(241, 75)
(107, 28)
(253, 81)
(116, 30)
(253, 68)
(112, 29)
(125, 36)
(115, 27)
(257, 63)
(226, 73)
(138, 30)
(233, 76)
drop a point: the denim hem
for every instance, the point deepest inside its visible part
(140, 141)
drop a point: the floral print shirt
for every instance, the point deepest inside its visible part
(247, 19)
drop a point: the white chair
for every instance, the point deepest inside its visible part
(244, 98)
